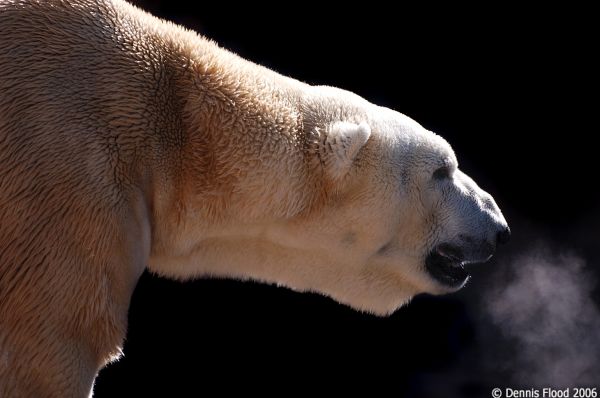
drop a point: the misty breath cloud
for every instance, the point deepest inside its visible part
(544, 308)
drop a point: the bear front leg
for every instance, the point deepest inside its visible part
(65, 286)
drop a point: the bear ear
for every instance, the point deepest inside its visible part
(342, 143)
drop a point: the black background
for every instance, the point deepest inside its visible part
(512, 90)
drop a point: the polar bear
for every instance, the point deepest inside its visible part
(127, 143)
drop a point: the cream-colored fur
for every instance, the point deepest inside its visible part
(127, 142)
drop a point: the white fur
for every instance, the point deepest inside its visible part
(128, 141)
(388, 199)
(343, 141)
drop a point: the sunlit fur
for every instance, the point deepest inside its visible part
(127, 142)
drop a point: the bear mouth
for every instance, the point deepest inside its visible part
(446, 264)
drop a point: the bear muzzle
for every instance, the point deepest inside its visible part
(446, 261)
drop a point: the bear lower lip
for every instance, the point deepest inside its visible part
(448, 271)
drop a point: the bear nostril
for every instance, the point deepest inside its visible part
(504, 235)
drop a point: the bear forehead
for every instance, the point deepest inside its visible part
(406, 139)
(437, 149)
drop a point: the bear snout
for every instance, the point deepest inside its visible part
(503, 236)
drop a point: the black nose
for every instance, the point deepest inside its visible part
(504, 235)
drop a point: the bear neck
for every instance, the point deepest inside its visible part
(240, 149)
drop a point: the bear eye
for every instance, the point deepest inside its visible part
(442, 173)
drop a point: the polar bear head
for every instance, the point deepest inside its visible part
(400, 219)
(373, 211)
